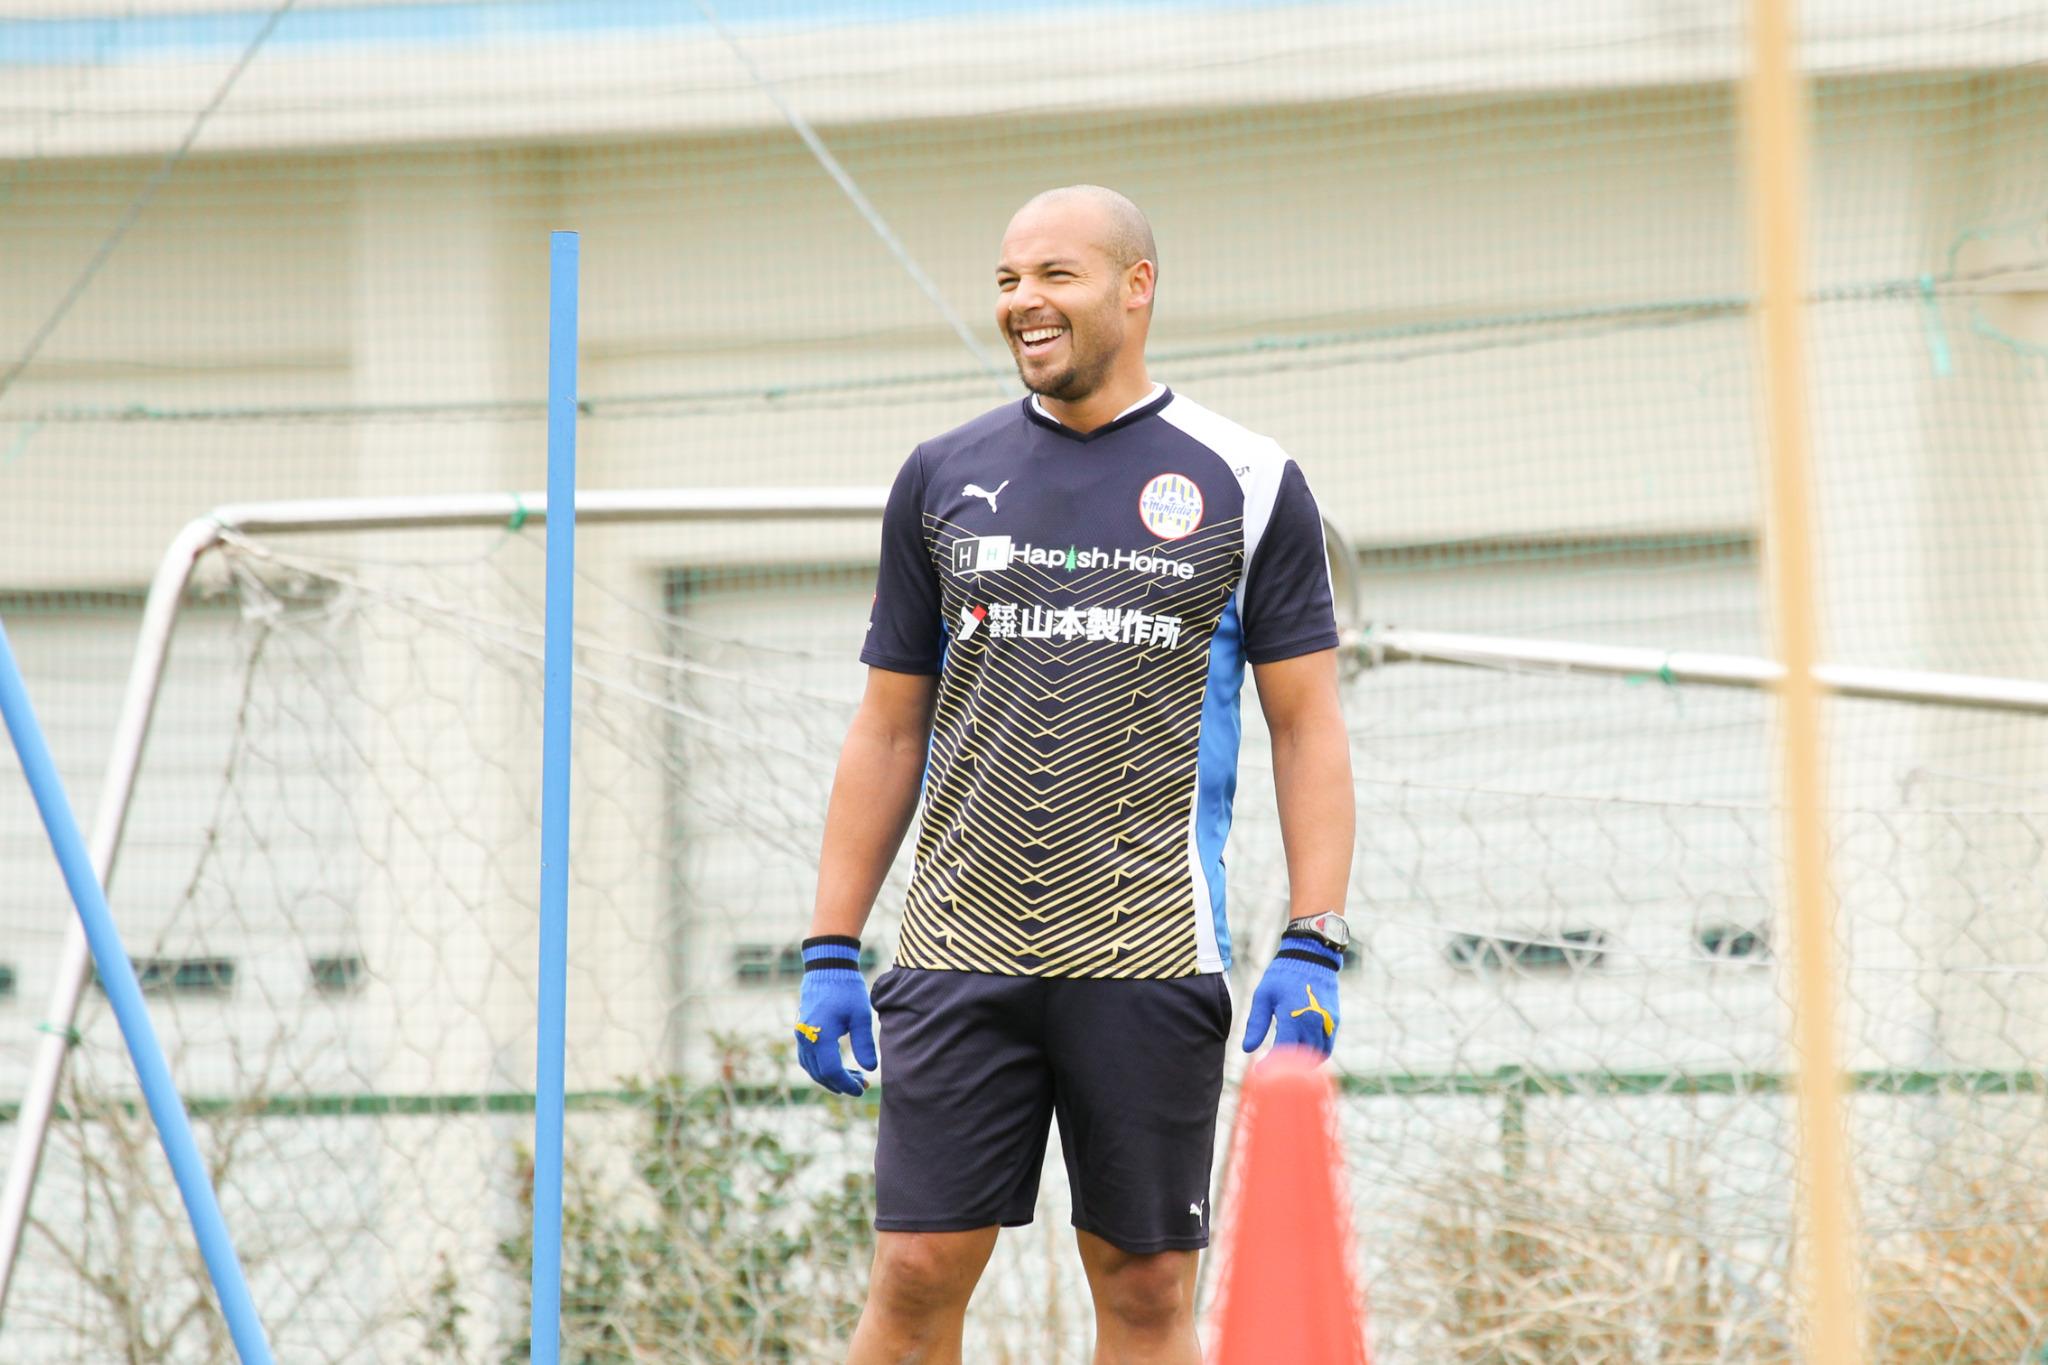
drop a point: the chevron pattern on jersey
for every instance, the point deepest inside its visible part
(1063, 765)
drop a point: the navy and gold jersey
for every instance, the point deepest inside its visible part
(1089, 602)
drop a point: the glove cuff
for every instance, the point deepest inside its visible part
(831, 952)
(1300, 947)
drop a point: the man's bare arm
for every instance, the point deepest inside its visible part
(1311, 777)
(874, 794)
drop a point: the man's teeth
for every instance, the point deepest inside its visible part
(1041, 333)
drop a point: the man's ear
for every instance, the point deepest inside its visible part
(1139, 282)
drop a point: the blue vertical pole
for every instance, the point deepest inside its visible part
(117, 975)
(558, 677)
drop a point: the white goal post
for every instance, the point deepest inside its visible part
(152, 649)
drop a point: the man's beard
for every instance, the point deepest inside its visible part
(1072, 384)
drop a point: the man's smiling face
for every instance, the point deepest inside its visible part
(1061, 299)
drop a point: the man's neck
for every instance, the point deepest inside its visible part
(1102, 406)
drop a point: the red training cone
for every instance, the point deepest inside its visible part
(1287, 1291)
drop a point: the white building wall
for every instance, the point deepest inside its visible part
(734, 265)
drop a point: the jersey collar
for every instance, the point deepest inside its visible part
(1147, 406)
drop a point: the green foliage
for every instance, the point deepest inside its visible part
(440, 1320)
(727, 1240)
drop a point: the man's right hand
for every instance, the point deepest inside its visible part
(833, 1004)
(1296, 999)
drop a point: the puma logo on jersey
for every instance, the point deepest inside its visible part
(1329, 1024)
(975, 490)
(1195, 1209)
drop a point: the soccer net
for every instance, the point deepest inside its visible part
(1566, 1110)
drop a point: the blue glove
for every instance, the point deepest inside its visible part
(833, 1004)
(1297, 997)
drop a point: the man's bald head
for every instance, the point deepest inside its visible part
(1074, 288)
(1126, 235)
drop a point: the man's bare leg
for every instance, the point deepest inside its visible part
(917, 1296)
(1144, 1304)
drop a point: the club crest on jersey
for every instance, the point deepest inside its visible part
(1170, 506)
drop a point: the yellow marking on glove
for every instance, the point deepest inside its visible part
(809, 1031)
(1329, 1024)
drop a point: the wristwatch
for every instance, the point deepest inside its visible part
(1328, 927)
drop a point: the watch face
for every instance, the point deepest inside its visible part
(1329, 927)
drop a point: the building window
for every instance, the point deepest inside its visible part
(335, 975)
(186, 975)
(753, 963)
(760, 964)
(1573, 949)
(1734, 940)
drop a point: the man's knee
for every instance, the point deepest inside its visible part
(919, 1275)
(1147, 1292)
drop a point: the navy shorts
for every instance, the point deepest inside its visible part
(975, 1067)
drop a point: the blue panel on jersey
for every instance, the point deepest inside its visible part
(1216, 761)
(931, 741)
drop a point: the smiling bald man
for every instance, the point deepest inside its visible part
(1071, 587)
